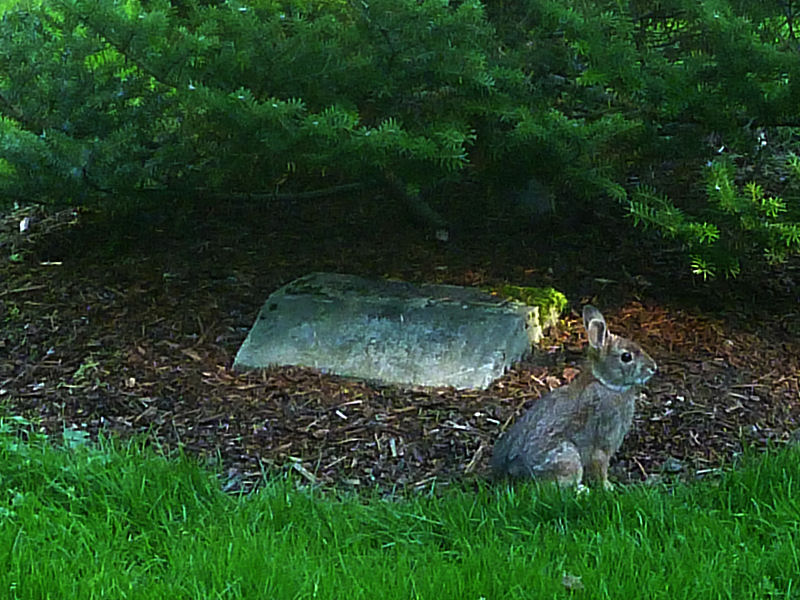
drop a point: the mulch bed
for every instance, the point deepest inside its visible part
(129, 326)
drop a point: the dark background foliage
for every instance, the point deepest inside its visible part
(646, 109)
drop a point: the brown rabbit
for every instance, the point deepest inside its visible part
(573, 431)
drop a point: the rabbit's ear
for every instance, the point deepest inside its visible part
(595, 326)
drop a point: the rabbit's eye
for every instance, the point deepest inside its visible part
(626, 357)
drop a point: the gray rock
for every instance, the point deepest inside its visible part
(391, 331)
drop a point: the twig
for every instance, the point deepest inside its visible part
(261, 196)
(27, 288)
(475, 458)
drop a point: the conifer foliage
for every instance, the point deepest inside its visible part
(113, 96)
(597, 100)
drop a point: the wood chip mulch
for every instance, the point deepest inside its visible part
(130, 327)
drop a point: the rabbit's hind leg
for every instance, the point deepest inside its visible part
(563, 464)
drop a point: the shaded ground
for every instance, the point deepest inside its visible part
(130, 325)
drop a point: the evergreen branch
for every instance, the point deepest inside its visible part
(16, 113)
(260, 196)
(123, 46)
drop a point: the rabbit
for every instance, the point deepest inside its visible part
(572, 432)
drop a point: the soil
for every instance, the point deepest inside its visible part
(127, 324)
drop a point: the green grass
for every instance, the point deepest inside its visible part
(119, 521)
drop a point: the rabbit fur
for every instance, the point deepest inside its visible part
(571, 433)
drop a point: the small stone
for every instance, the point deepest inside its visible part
(572, 582)
(672, 465)
(794, 436)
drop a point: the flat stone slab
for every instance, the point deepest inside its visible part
(391, 331)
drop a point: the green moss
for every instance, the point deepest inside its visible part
(549, 298)
(551, 302)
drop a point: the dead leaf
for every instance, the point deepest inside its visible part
(192, 354)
